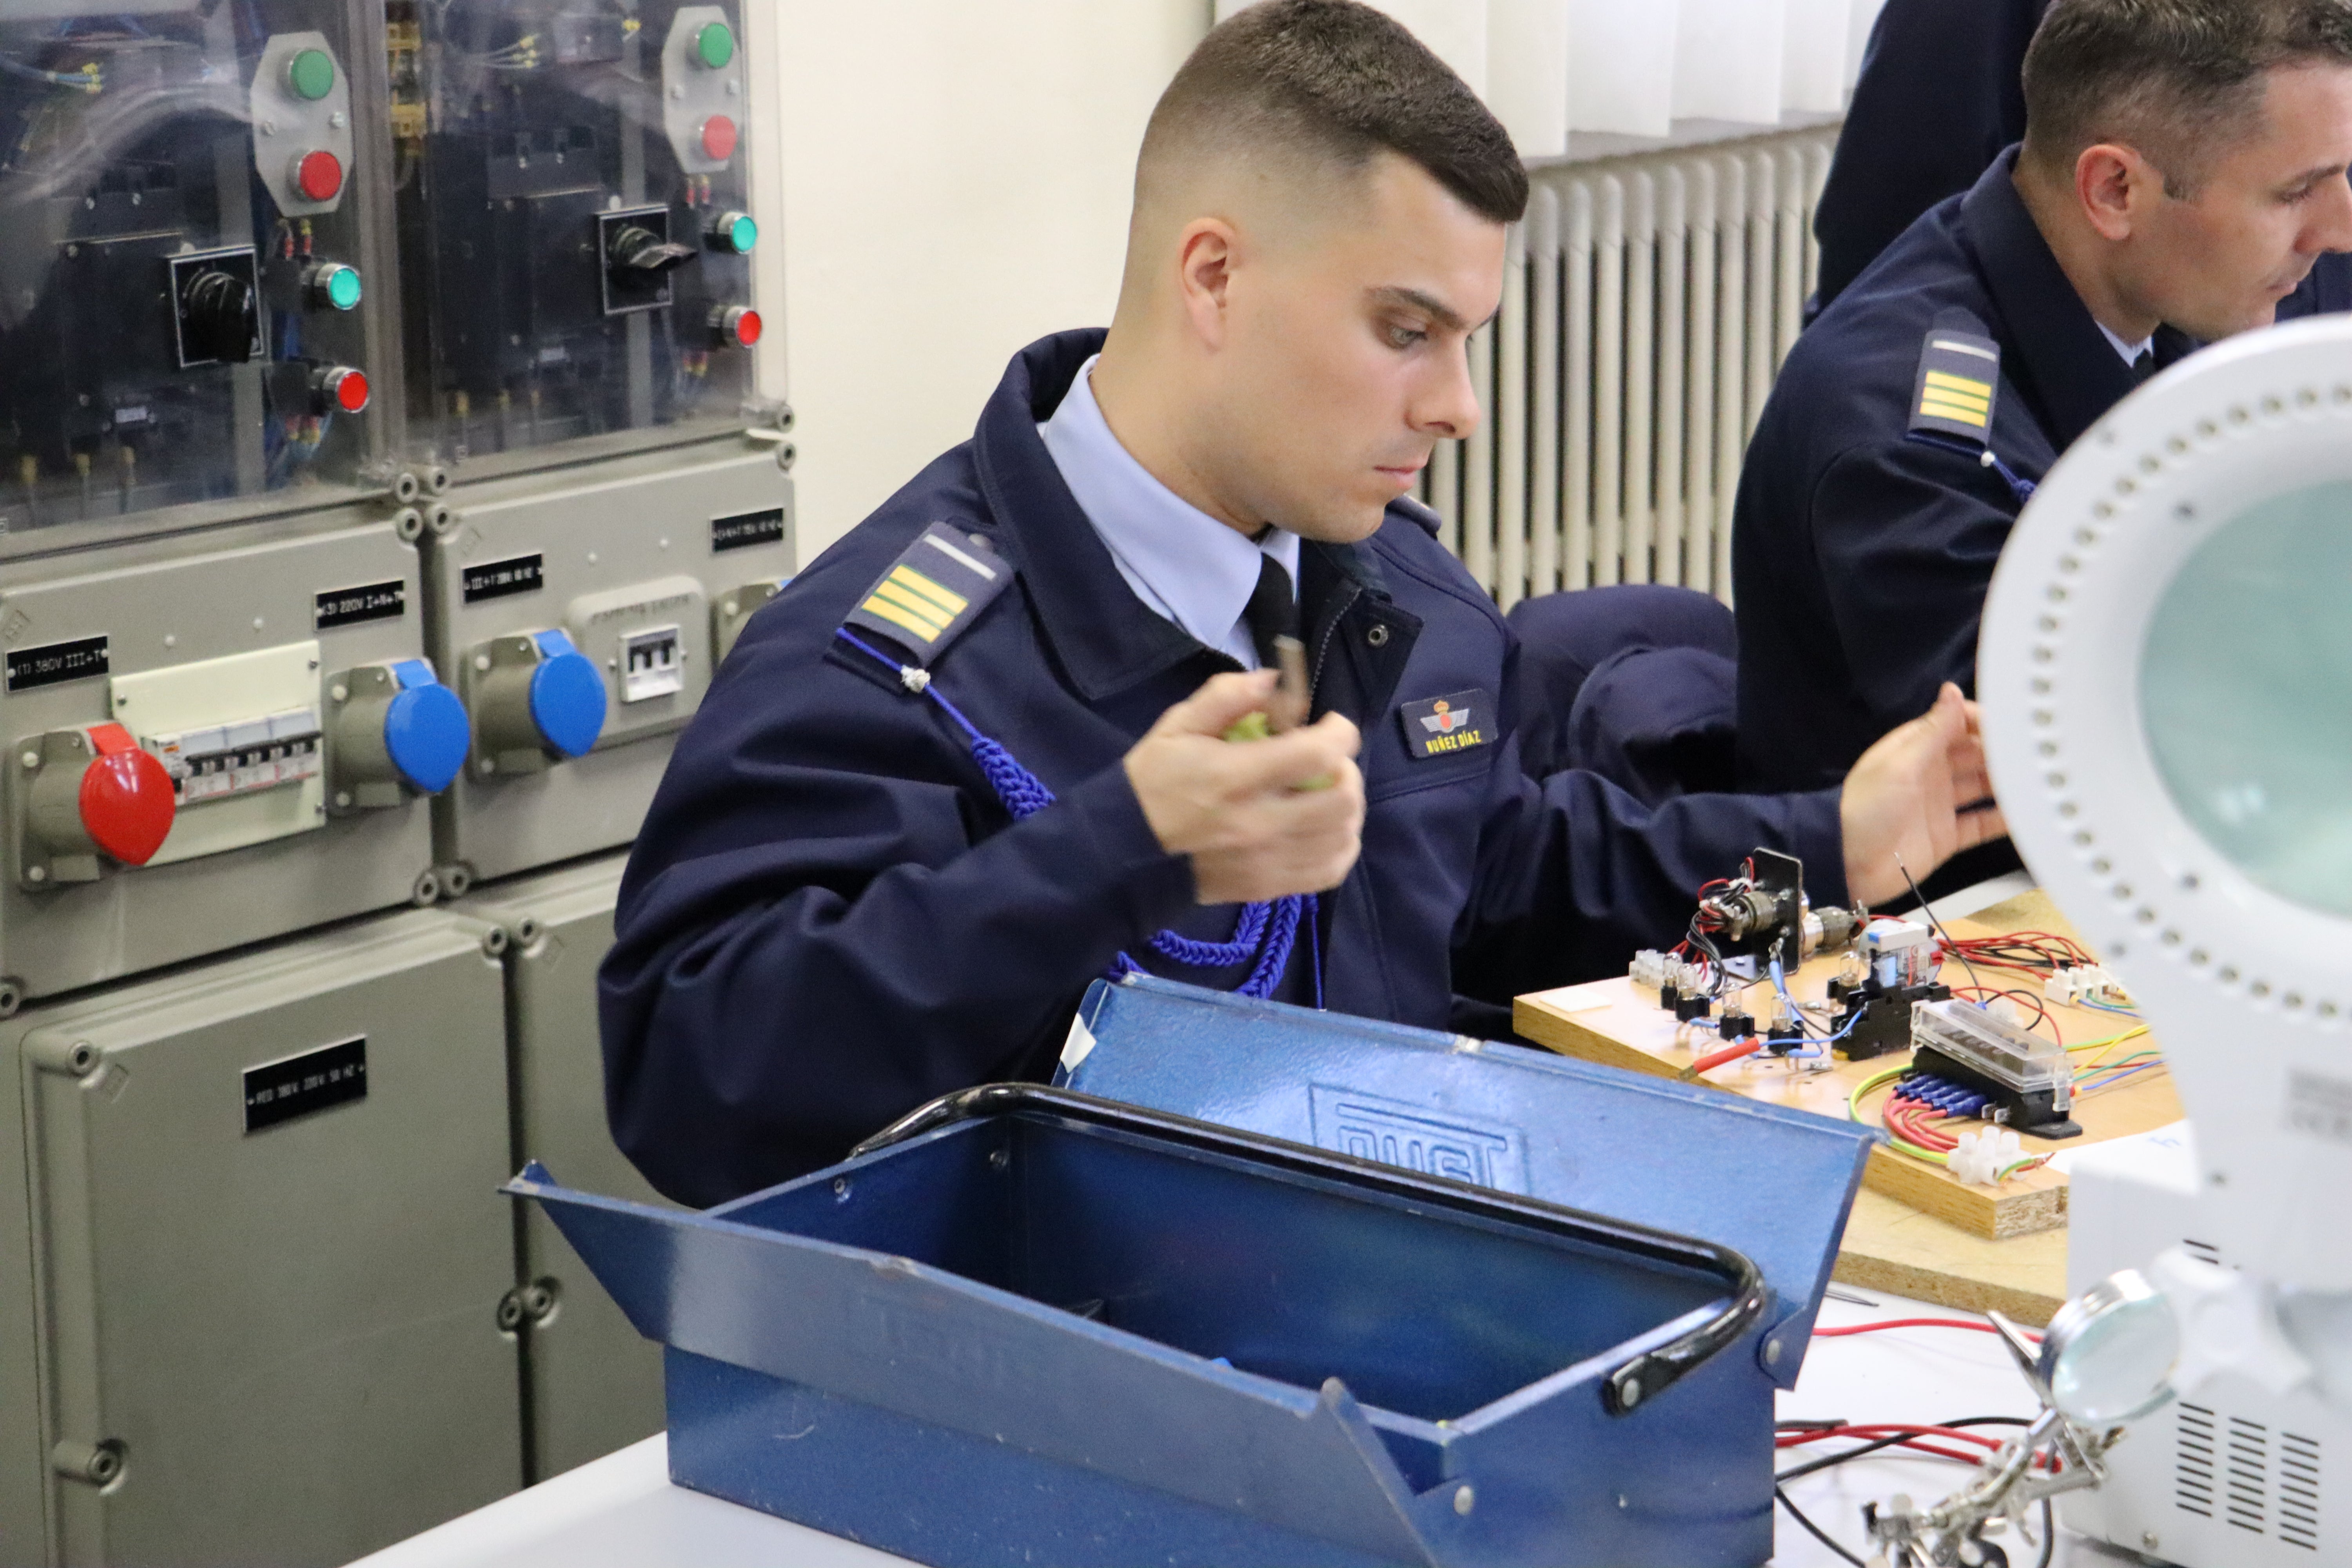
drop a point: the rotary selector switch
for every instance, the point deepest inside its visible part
(536, 700)
(394, 732)
(89, 792)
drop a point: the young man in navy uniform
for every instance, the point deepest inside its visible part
(975, 755)
(2183, 168)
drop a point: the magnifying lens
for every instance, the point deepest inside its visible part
(2107, 1356)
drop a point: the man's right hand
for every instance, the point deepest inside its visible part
(1241, 810)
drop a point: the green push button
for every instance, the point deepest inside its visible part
(714, 46)
(312, 74)
(344, 288)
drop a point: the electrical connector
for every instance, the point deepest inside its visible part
(1649, 967)
(1982, 1156)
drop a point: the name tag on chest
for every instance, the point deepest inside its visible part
(1441, 726)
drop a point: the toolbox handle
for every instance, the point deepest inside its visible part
(1626, 1387)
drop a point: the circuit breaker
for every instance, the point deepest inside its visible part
(191, 314)
(574, 220)
(267, 1316)
(579, 610)
(595, 1383)
(212, 740)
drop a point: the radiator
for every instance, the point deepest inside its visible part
(1649, 300)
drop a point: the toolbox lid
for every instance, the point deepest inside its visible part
(1773, 1183)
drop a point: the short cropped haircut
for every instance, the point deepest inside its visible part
(2179, 81)
(1336, 82)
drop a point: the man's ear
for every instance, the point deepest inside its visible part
(1205, 263)
(2114, 187)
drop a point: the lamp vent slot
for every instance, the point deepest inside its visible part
(2192, 1460)
(2246, 1466)
(2298, 1491)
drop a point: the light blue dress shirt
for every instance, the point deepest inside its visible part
(1185, 564)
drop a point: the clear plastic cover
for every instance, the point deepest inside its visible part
(573, 218)
(180, 298)
(2242, 682)
(1983, 1040)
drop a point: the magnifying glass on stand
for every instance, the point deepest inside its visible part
(2166, 679)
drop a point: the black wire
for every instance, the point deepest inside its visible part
(1815, 1530)
(2049, 1518)
(1795, 1471)
(1950, 945)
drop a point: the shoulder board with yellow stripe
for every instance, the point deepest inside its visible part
(933, 592)
(1960, 378)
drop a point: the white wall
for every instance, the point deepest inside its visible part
(955, 181)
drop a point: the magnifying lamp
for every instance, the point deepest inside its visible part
(2165, 674)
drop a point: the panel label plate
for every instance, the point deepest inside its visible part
(747, 529)
(364, 602)
(498, 579)
(54, 663)
(295, 1086)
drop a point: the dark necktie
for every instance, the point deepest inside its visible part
(2143, 367)
(1272, 611)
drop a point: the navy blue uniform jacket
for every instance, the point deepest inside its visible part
(829, 918)
(1940, 96)
(1861, 556)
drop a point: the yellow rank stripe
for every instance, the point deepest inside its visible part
(879, 606)
(923, 610)
(1934, 407)
(947, 599)
(1959, 388)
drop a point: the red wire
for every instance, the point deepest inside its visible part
(1912, 1323)
(1715, 1060)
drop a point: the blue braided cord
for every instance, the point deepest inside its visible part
(2018, 486)
(1315, 944)
(1024, 794)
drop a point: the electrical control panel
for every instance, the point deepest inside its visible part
(271, 1277)
(212, 740)
(580, 611)
(186, 310)
(574, 223)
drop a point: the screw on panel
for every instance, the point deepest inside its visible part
(787, 454)
(440, 519)
(538, 1299)
(436, 480)
(31, 761)
(407, 486)
(93, 1464)
(1464, 1500)
(840, 1188)
(494, 941)
(510, 1314)
(426, 892)
(12, 997)
(37, 873)
(408, 525)
(527, 929)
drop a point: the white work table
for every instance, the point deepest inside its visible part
(621, 1512)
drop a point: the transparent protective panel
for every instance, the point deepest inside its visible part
(573, 221)
(180, 310)
(2246, 694)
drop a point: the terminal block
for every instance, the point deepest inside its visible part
(1892, 969)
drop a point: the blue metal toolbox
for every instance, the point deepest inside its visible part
(1029, 1325)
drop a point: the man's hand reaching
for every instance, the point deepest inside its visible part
(1907, 804)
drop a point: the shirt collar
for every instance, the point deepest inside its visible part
(2053, 348)
(2131, 352)
(1181, 562)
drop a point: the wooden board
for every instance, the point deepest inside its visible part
(1891, 1246)
(1618, 1024)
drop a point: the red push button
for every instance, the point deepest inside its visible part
(339, 389)
(319, 176)
(719, 138)
(736, 326)
(126, 797)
